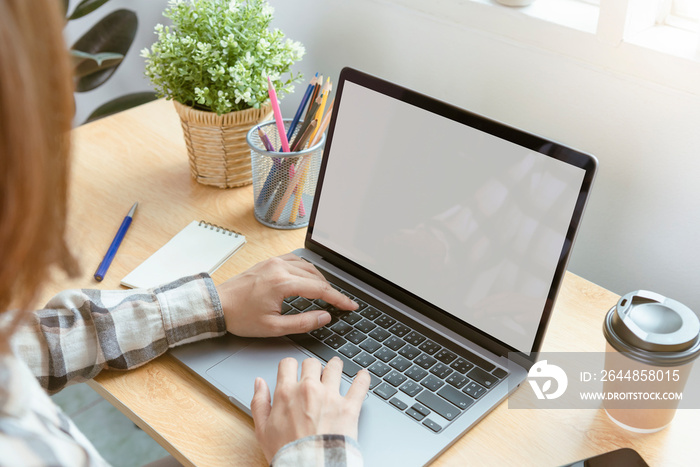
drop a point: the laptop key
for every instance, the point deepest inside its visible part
(461, 365)
(322, 304)
(349, 350)
(351, 318)
(364, 359)
(301, 303)
(385, 391)
(438, 405)
(398, 403)
(441, 370)
(400, 363)
(432, 383)
(487, 380)
(379, 334)
(421, 409)
(457, 398)
(425, 361)
(416, 373)
(360, 305)
(432, 425)
(415, 414)
(286, 308)
(370, 313)
(324, 352)
(341, 328)
(370, 345)
(379, 368)
(385, 354)
(399, 329)
(409, 352)
(321, 333)
(394, 343)
(355, 336)
(499, 373)
(385, 321)
(335, 342)
(478, 361)
(365, 325)
(411, 388)
(474, 390)
(374, 381)
(414, 338)
(445, 356)
(395, 378)
(429, 347)
(457, 380)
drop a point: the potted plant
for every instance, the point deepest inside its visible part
(213, 62)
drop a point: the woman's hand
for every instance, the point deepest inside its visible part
(252, 300)
(309, 406)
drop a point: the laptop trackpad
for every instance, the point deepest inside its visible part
(236, 374)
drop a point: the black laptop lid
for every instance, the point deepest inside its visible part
(465, 219)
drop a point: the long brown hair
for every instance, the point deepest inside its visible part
(36, 109)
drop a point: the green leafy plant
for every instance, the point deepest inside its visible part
(218, 54)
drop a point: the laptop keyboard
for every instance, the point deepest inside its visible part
(431, 384)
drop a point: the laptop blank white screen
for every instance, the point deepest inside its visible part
(469, 222)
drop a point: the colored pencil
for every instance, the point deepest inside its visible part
(324, 125)
(322, 107)
(302, 105)
(278, 115)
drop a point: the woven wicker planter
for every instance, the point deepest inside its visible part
(216, 144)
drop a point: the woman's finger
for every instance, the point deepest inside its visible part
(261, 405)
(311, 368)
(332, 373)
(313, 289)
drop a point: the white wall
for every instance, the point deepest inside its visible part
(642, 225)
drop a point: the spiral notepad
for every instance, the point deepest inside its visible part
(199, 247)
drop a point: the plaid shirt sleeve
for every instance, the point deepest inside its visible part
(81, 332)
(321, 451)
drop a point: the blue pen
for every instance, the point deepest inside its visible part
(107, 260)
(300, 110)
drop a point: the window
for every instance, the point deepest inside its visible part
(683, 14)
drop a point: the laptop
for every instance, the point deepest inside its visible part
(452, 231)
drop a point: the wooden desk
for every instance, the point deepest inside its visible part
(139, 155)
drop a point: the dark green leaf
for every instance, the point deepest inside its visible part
(113, 34)
(85, 7)
(121, 103)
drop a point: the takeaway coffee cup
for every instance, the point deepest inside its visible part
(652, 342)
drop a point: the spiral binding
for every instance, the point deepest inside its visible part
(218, 228)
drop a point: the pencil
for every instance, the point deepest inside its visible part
(315, 92)
(278, 115)
(309, 116)
(324, 125)
(290, 188)
(305, 137)
(298, 203)
(265, 191)
(322, 107)
(302, 105)
(284, 172)
(300, 189)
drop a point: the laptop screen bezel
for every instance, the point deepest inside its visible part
(527, 140)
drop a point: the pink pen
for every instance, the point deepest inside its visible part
(278, 115)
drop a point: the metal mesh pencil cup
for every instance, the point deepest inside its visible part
(284, 183)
